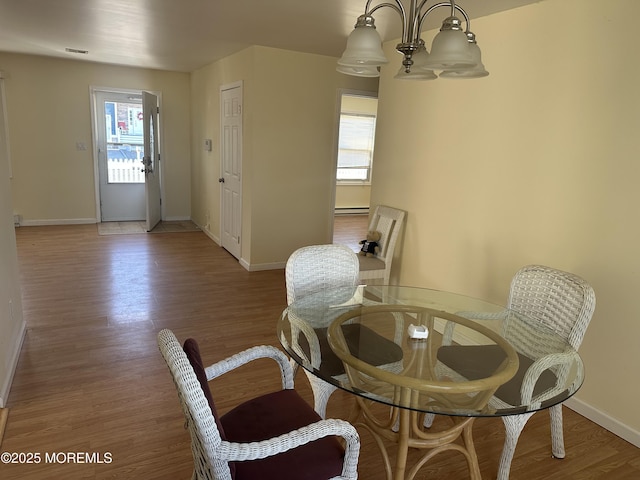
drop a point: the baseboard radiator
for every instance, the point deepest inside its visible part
(352, 211)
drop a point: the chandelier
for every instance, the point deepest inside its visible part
(454, 51)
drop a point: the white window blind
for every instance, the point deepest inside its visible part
(355, 147)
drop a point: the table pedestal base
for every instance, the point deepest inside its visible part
(405, 428)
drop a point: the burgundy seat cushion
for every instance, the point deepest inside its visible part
(266, 417)
(272, 415)
(193, 354)
(192, 351)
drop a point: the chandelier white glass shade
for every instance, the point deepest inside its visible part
(360, 71)
(475, 72)
(454, 50)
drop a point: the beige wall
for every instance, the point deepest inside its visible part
(353, 196)
(48, 106)
(537, 163)
(12, 325)
(289, 127)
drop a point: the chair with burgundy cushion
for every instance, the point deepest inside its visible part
(273, 436)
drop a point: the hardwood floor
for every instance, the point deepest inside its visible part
(90, 377)
(350, 229)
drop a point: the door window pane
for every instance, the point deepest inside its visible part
(124, 142)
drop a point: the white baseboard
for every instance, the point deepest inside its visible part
(81, 221)
(246, 265)
(65, 221)
(215, 239)
(262, 266)
(15, 355)
(604, 420)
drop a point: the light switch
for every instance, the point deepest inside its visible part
(208, 145)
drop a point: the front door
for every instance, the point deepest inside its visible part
(231, 165)
(151, 160)
(119, 126)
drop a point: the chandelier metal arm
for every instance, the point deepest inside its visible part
(454, 7)
(412, 23)
(398, 7)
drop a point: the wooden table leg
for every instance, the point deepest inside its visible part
(467, 436)
(403, 444)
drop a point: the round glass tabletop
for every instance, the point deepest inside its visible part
(430, 351)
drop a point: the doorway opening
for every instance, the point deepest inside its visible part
(357, 116)
(118, 145)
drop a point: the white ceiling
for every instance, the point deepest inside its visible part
(183, 35)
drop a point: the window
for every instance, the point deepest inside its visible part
(124, 125)
(355, 147)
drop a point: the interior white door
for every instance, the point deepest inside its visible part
(151, 160)
(231, 165)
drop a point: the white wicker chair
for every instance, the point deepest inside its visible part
(316, 269)
(313, 269)
(388, 221)
(319, 267)
(561, 301)
(276, 435)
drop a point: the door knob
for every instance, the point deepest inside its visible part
(221, 180)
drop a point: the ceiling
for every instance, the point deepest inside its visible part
(183, 35)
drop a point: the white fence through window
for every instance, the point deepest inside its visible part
(124, 163)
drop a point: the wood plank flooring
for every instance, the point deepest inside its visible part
(90, 377)
(350, 229)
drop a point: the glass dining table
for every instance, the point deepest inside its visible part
(408, 354)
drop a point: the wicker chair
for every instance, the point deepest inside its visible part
(388, 221)
(315, 269)
(274, 436)
(557, 299)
